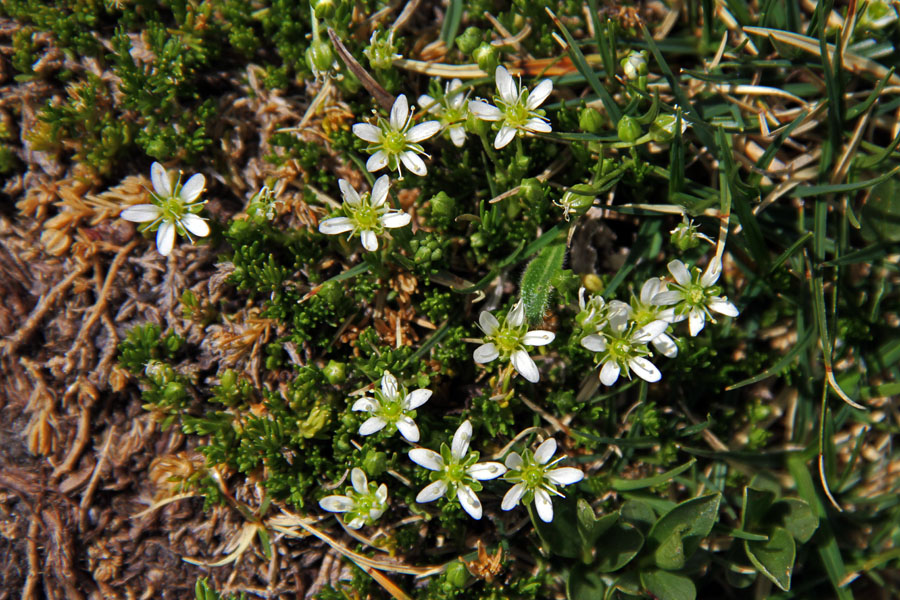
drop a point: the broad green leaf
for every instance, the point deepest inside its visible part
(756, 505)
(585, 583)
(537, 281)
(668, 586)
(589, 526)
(618, 547)
(639, 514)
(775, 558)
(796, 516)
(678, 533)
(627, 584)
(560, 534)
(881, 213)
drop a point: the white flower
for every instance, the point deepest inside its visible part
(367, 215)
(173, 209)
(695, 295)
(456, 471)
(450, 109)
(516, 110)
(533, 475)
(393, 407)
(364, 503)
(643, 311)
(508, 341)
(393, 142)
(623, 347)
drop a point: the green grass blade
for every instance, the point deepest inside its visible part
(451, 22)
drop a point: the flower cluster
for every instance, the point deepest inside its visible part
(620, 333)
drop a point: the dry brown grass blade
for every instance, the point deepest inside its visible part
(384, 99)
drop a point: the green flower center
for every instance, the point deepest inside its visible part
(508, 340)
(533, 476)
(456, 472)
(696, 295)
(172, 209)
(366, 216)
(394, 142)
(516, 114)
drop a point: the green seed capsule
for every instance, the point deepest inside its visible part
(629, 129)
(469, 40)
(590, 120)
(335, 372)
(487, 57)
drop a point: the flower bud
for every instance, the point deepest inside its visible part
(577, 200)
(487, 57)
(335, 372)
(324, 8)
(592, 283)
(443, 206)
(382, 50)
(469, 40)
(531, 190)
(457, 574)
(635, 65)
(319, 56)
(629, 129)
(590, 120)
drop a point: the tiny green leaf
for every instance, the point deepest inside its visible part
(775, 558)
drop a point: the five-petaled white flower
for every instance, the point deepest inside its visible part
(516, 110)
(173, 209)
(508, 341)
(456, 470)
(363, 504)
(367, 215)
(623, 346)
(644, 311)
(450, 109)
(393, 142)
(393, 407)
(533, 475)
(695, 295)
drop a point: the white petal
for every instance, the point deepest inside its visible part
(422, 131)
(351, 196)
(539, 94)
(369, 241)
(412, 162)
(380, 190)
(609, 374)
(649, 331)
(377, 161)
(395, 219)
(543, 505)
(427, 458)
(488, 322)
(679, 272)
(191, 190)
(365, 404)
(650, 288)
(667, 298)
(594, 342)
(399, 112)
(665, 345)
(359, 481)
(457, 136)
(356, 523)
(162, 185)
(722, 306)
(407, 428)
(165, 238)
(416, 398)
(389, 386)
(372, 425)
(545, 451)
(140, 213)
(668, 315)
(565, 475)
(513, 496)
(195, 225)
(485, 111)
(644, 369)
(367, 132)
(538, 337)
(538, 125)
(337, 503)
(504, 137)
(460, 444)
(712, 272)
(485, 353)
(426, 102)
(516, 314)
(381, 494)
(513, 461)
(618, 320)
(696, 321)
(525, 366)
(506, 86)
(469, 501)
(432, 491)
(335, 225)
(486, 470)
